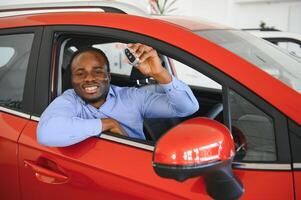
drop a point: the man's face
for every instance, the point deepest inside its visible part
(90, 78)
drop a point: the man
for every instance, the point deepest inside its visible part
(94, 106)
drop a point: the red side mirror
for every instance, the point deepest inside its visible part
(199, 147)
(195, 141)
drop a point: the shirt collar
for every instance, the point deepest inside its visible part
(111, 92)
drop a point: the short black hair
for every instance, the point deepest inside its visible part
(82, 50)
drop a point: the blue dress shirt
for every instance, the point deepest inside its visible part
(69, 119)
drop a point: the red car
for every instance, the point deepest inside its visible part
(244, 141)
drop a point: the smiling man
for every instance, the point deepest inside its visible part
(94, 105)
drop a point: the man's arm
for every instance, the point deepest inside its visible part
(59, 125)
(177, 100)
(150, 63)
(174, 100)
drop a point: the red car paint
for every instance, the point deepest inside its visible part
(171, 150)
(102, 169)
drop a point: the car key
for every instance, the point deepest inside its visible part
(133, 60)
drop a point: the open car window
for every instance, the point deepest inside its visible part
(124, 75)
(252, 129)
(118, 62)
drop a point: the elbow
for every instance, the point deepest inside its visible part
(194, 107)
(189, 109)
(42, 136)
(46, 137)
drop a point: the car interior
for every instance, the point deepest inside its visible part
(210, 99)
(123, 74)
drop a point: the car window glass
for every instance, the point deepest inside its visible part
(14, 56)
(253, 130)
(292, 47)
(261, 53)
(6, 53)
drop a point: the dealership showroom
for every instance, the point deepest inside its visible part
(150, 99)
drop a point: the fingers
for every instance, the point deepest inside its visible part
(113, 126)
(119, 130)
(123, 133)
(138, 49)
(146, 55)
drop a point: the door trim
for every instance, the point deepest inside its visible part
(13, 112)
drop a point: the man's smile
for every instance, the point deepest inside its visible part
(90, 89)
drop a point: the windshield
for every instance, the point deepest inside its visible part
(260, 53)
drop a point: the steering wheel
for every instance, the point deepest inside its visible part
(238, 136)
(215, 111)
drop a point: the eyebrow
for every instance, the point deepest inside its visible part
(104, 68)
(79, 69)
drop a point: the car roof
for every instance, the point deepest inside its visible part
(193, 24)
(14, 8)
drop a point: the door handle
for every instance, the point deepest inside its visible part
(46, 175)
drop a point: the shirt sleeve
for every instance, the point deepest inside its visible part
(59, 125)
(176, 100)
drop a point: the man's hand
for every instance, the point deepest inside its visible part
(113, 126)
(150, 63)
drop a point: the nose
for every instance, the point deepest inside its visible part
(89, 77)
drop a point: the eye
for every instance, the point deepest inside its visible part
(99, 72)
(79, 74)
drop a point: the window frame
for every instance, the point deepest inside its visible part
(29, 84)
(295, 139)
(49, 56)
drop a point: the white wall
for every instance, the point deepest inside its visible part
(284, 15)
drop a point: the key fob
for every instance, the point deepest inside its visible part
(133, 60)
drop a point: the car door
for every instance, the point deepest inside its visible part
(260, 136)
(106, 167)
(121, 168)
(18, 57)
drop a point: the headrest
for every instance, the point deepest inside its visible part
(140, 78)
(137, 75)
(66, 79)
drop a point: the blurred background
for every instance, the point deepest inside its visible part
(277, 21)
(284, 15)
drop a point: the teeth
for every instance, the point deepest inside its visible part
(91, 89)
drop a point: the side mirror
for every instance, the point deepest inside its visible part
(199, 147)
